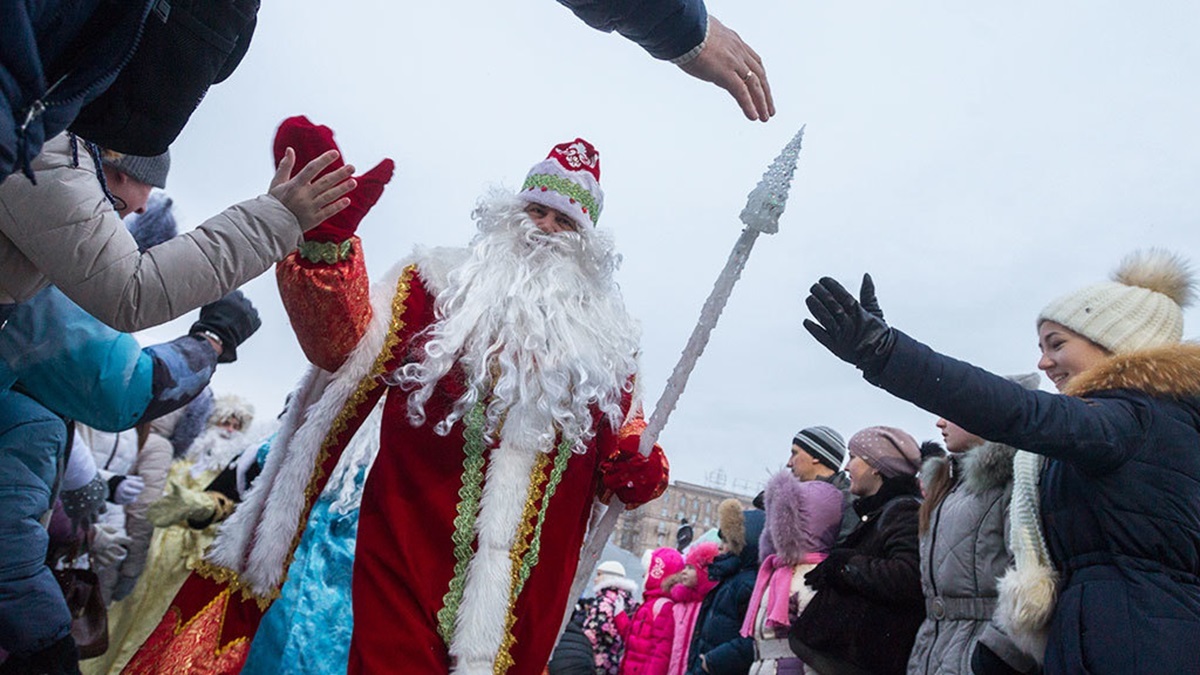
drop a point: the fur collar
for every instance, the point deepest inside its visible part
(1167, 372)
(981, 468)
(987, 466)
(619, 583)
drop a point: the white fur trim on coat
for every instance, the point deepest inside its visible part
(482, 615)
(257, 540)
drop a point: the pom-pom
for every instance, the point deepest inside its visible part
(1160, 271)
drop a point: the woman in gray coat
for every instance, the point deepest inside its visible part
(963, 522)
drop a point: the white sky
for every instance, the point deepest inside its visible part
(978, 160)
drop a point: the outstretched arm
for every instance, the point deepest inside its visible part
(682, 32)
(80, 368)
(324, 285)
(1090, 432)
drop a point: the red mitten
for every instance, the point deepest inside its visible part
(308, 141)
(634, 479)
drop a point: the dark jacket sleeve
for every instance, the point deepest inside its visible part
(893, 576)
(735, 656)
(665, 28)
(1097, 433)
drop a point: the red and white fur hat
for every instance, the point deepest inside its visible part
(568, 180)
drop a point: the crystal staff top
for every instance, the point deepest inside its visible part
(766, 201)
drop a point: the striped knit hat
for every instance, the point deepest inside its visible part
(824, 444)
(568, 180)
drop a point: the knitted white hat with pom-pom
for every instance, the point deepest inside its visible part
(1141, 308)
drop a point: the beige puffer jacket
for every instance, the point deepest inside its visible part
(64, 231)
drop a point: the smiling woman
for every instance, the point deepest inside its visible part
(1118, 490)
(1066, 353)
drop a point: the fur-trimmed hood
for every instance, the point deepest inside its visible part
(1170, 372)
(803, 517)
(732, 525)
(987, 466)
(612, 581)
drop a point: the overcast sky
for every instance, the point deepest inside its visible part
(978, 159)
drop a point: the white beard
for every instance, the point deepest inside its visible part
(214, 449)
(536, 321)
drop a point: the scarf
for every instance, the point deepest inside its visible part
(775, 582)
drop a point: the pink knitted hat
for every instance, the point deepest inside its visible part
(890, 451)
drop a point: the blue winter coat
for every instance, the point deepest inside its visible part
(717, 635)
(1120, 494)
(667, 29)
(43, 84)
(81, 369)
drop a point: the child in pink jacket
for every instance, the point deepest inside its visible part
(688, 594)
(650, 634)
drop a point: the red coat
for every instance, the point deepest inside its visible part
(413, 546)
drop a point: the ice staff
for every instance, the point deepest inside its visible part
(763, 208)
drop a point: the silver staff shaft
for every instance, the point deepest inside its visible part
(764, 206)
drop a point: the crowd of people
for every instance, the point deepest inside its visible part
(1053, 533)
(421, 501)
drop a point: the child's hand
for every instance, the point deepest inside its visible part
(312, 201)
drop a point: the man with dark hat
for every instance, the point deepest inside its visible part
(818, 453)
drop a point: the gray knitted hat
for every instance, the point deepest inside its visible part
(149, 170)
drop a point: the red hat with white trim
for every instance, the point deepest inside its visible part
(567, 180)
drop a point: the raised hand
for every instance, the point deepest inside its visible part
(310, 198)
(732, 65)
(848, 327)
(313, 141)
(232, 319)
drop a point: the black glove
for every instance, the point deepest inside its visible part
(854, 331)
(818, 577)
(866, 297)
(232, 319)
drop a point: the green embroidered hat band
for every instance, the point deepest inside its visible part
(567, 180)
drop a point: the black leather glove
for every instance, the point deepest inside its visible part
(866, 297)
(854, 331)
(836, 567)
(232, 319)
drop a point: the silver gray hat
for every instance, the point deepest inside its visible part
(148, 170)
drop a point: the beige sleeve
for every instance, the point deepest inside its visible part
(71, 236)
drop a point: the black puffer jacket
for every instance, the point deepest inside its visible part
(55, 57)
(573, 655)
(717, 635)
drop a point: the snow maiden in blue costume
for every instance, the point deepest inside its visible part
(307, 630)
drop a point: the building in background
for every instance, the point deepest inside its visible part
(654, 524)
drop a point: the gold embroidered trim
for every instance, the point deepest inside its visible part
(527, 547)
(365, 386)
(177, 648)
